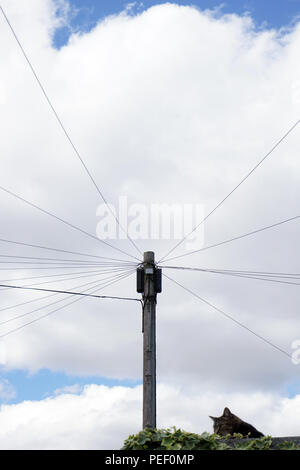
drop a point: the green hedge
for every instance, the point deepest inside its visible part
(176, 439)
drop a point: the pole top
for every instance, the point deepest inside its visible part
(149, 257)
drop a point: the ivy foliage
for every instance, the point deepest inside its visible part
(176, 439)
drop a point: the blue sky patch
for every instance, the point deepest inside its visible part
(45, 383)
(85, 14)
(293, 389)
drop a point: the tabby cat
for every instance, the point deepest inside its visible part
(228, 423)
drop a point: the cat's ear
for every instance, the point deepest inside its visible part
(226, 412)
(214, 419)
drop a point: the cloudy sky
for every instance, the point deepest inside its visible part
(167, 103)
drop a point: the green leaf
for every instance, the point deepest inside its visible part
(177, 439)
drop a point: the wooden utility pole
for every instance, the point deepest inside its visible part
(149, 284)
(149, 341)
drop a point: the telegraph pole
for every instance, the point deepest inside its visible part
(149, 284)
(149, 342)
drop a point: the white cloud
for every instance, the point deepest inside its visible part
(102, 417)
(172, 105)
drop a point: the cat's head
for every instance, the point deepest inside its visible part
(224, 424)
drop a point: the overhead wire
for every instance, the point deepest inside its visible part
(47, 296)
(58, 250)
(57, 262)
(231, 318)
(59, 292)
(235, 271)
(15, 265)
(69, 224)
(233, 190)
(98, 271)
(34, 268)
(248, 234)
(260, 276)
(57, 280)
(64, 129)
(53, 311)
(64, 260)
